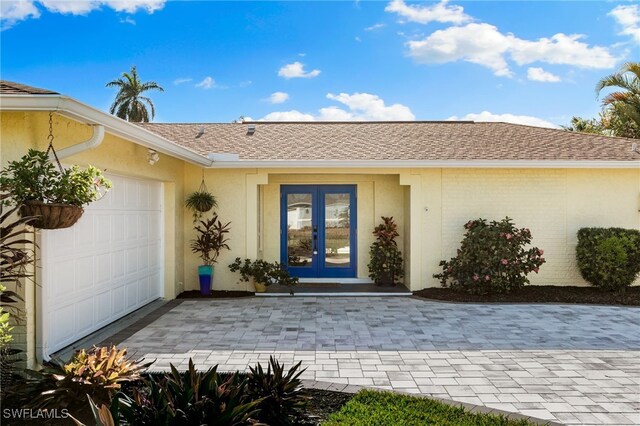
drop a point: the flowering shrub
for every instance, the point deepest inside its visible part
(492, 258)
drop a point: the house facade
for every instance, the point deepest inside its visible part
(305, 194)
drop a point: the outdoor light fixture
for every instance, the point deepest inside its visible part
(153, 157)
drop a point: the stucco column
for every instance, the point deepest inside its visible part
(414, 261)
(253, 180)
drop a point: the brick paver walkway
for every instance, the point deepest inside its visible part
(571, 364)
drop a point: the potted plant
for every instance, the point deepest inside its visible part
(385, 265)
(263, 273)
(200, 201)
(53, 196)
(210, 240)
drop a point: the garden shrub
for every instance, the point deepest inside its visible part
(492, 258)
(609, 258)
(281, 392)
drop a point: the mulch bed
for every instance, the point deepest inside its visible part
(215, 294)
(321, 404)
(540, 294)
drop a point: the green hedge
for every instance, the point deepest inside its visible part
(609, 258)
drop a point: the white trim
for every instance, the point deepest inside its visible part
(428, 164)
(335, 280)
(84, 113)
(329, 294)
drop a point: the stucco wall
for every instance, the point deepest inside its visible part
(553, 203)
(378, 195)
(23, 130)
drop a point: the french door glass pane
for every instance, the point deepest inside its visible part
(299, 227)
(337, 230)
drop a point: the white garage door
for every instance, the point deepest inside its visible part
(105, 266)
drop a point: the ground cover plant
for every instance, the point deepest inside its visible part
(494, 257)
(375, 408)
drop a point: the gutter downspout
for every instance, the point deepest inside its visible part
(95, 140)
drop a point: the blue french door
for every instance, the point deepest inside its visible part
(318, 230)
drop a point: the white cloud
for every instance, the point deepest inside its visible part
(12, 12)
(375, 27)
(292, 115)
(278, 97)
(485, 45)
(206, 83)
(628, 18)
(538, 74)
(76, 7)
(296, 70)
(128, 20)
(360, 107)
(439, 12)
(132, 6)
(182, 80)
(506, 118)
(364, 106)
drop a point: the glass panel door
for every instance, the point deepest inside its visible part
(299, 229)
(337, 230)
(318, 235)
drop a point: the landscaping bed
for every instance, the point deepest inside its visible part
(215, 294)
(321, 404)
(539, 294)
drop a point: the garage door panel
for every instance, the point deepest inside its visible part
(117, 230)
(103, 270)
(117, 264)
(84, 320)
(105, 266)
(117, 301)
(102, 308)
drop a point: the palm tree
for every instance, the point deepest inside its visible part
(130, 105)
(626, 100)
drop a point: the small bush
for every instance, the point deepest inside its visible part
(492, 258)
(385, 264)
(281, 394)
(98, 373)
(189, 398)
(609, 258)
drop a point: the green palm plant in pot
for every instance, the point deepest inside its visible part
(211, 239)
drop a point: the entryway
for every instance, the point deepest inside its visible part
(318, 230)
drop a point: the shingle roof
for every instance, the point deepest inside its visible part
(394, 141)
(11, 88)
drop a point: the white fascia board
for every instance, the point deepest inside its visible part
(427, 164)
(114, 125)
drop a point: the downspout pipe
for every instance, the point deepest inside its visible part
(95, 140)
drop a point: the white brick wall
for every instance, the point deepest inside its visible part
(535, 199)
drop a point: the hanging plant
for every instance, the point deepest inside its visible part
(200, 201)
(54, 196)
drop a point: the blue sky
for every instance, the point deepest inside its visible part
(528, 62)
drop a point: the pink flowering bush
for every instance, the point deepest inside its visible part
(493, 258)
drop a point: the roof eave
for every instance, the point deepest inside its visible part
(85, 114)
(427, 164)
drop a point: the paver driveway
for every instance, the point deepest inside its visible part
(572, 364)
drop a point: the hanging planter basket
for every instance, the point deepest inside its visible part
(51, 216)
(201, 201)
